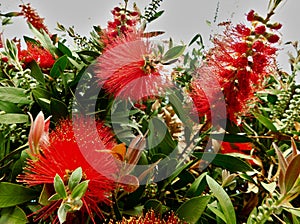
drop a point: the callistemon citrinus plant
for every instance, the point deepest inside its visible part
(124, 125)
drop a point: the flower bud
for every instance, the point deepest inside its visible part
(273, 38)
(275, 26)
(260, 29)
(250, 15)
(39, 131)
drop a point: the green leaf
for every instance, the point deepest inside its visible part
(75, 178)
(14, 95)
(10, 14)
(80, 189)
(45, 195)
(41, 93)
(13, 118)
(155, 16)
(62, 213)
(55, 197)
(59, 186)
(184, 179)
(65, 50)
(58, 109)
(36, 72)
(292, 173)
(153, 204)
(197, 36)
(160, 137)
(43, 38)
(230, 138)
(14, 194)
(191, 210)
(265, 121)
(269, 187)
(176, 172)
(197, 186)
(253, 213)
(173, 53)
(13, 215)
(295, 211)
(59, 66)
(9, 107)
(228, 162)
(89, 53)
(223, 199)
(31, 40)
(217, 212)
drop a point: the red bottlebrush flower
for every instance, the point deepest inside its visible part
(228, 147)
(33, 52)
(241, 148)
(240, 47)
(150, 217)
(207, 96)
(243, 30)
(239, 61)
(73, 145)
(126, 68)
(124, 23)
(261, 29)
(33, 18)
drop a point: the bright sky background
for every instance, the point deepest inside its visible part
(181, 20)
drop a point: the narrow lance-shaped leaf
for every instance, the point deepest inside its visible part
(62, 213)
(173, 53)
(59, 66)
(59, 186)
(197, 186)
(80, 189)
(294, 151)
(223, 199)
(75, 178)
(283, 166)
(292, 173)
(265, 121)
(191, 210)
(36, 72)
(217, 212)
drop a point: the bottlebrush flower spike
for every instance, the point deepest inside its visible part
(73, 145)
(240, 60)
(38, 135)
(151, 217)
(33, 52)
(227, 147)
(128, 69)
(32, 17)
(124, 22)
(207, 96)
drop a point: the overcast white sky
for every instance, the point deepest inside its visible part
(181, 20)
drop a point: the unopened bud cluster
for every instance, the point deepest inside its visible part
(124, 22)
(286, 108)
(262, 27)
(265, 211)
